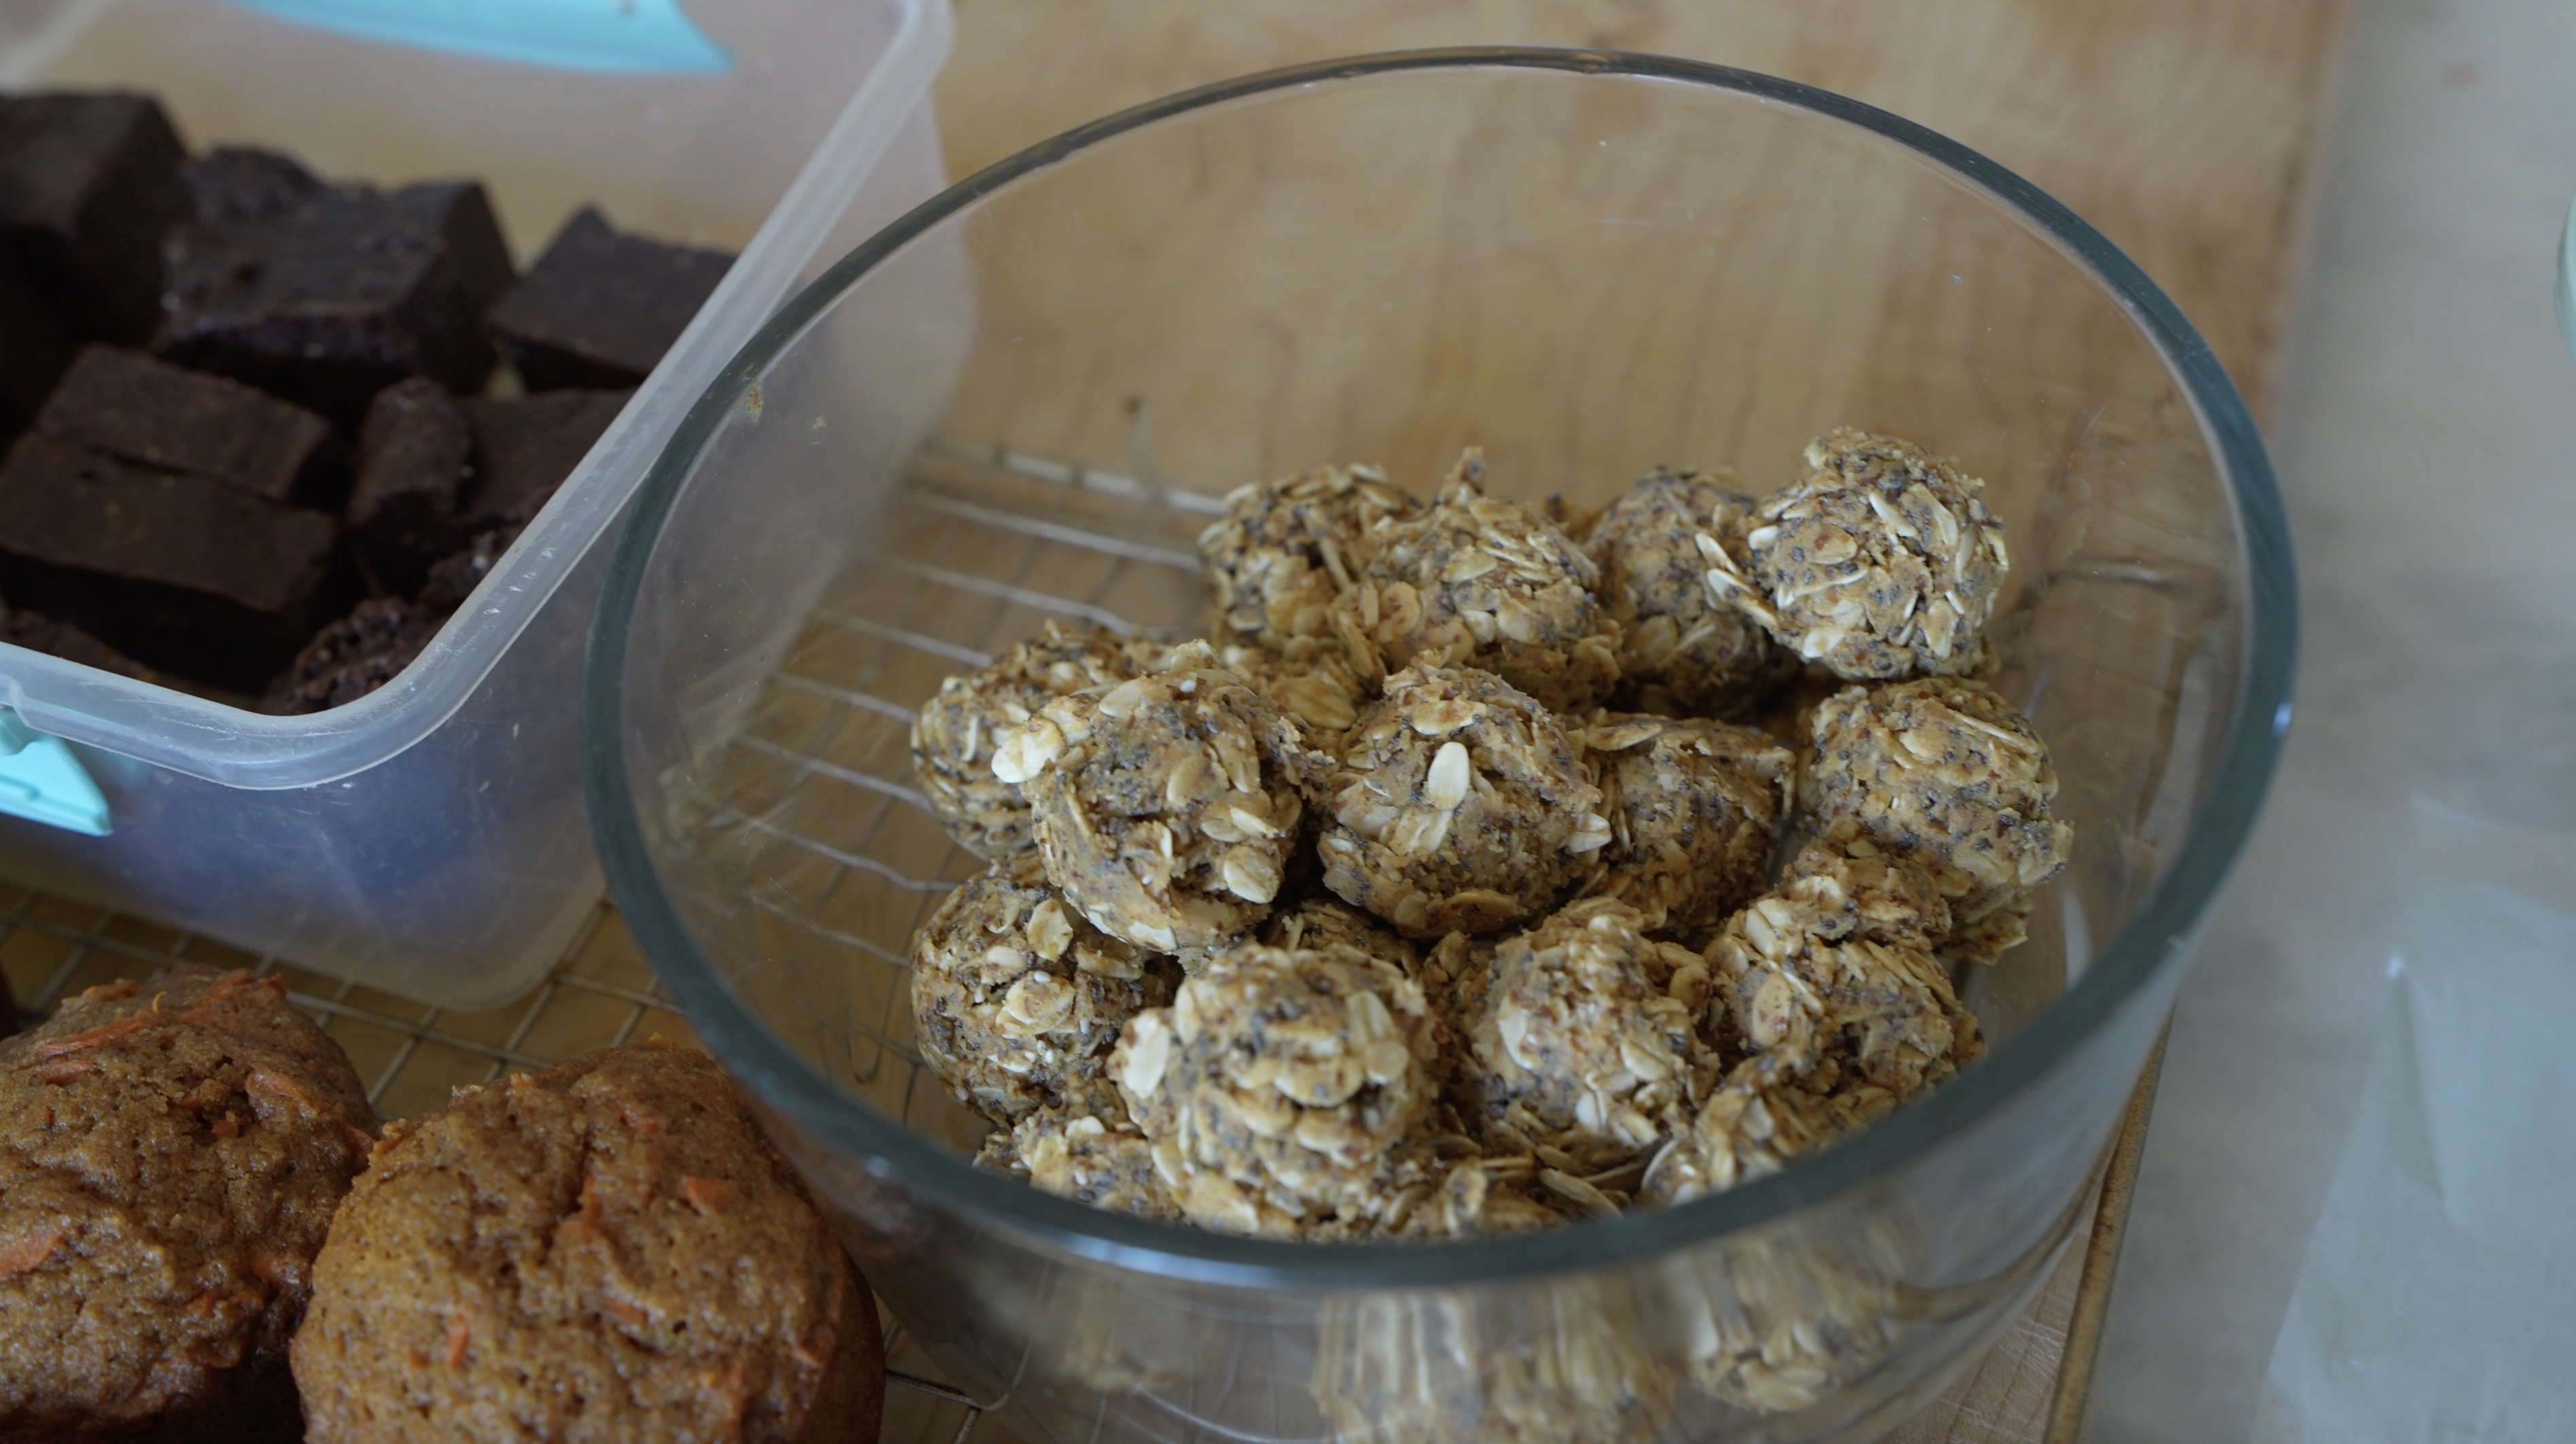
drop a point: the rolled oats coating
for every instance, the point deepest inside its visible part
(1016, 999)
(957, 730)
(1943, 768)
(1287, 1093)
(1881, 561)
(1570, 1366)
(1167, 808)
(1772, 1327)
(1313, 686)
(1322, 921)
(1285, 549)
(1459, 805)
(1084, 1148)
(1762, 1116)
(1695, 809)
(1576, 1044)
(1679, 636)
(1807, 981)
(1479, 581)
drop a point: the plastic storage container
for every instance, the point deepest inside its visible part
(430, 838)
(1589, 264)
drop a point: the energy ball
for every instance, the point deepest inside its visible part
(170, 1157)
(1572, 1366)
(1285, 549)
(1016, 998)
(1459, 805)
(1843, 1003)
(1773, 1325)
(1084, 1148)
(1312, 685)
(1683, 647)
(1880, 561)
(1320, 921)
(1762, 1116)
(1478, 581)
(1576, 1044)
(1167, 808)
(956, 732)
(1286, 1092)
(1695, 808)
(1946, 771)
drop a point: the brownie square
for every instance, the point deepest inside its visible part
(601, 306)
(57, 638)
(352, 657)
(241, 183)
(413, 455)
(332, 299)
(525, 446)
(181, 572)
(88, 186)
(32, 351)
(127, 404)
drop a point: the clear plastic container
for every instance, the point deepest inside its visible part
(429, 838)
(1588, 264)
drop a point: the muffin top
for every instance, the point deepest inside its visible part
(607, 1249)
(170, 1154)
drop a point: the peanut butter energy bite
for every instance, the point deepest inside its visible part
(1167, 808)
(1084, 1148)
(605, 1250)
(170, 1155)
(1284, 549)
(1575, 1044)
(1880, 561)
(1682, 644)
(1459, 805)
(1572, 1367)
(1945, 771)
(954, 737)
(1287, 1093)
(1478, 581)
(1311, 683)
(1320, 920)
(1016, 998)
(1695, 808)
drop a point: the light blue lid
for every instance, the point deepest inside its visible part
(41, 780)
(602, 35)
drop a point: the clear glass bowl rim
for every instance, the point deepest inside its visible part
(2164, 927)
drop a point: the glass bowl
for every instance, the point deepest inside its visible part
(1020, 401)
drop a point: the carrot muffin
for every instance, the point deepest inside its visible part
(170, 1153)
(605, 1250)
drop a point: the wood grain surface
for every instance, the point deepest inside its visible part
(2185, 130)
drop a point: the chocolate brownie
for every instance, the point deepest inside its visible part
(524, 447)
(32, 350)
(240, 183)
(352, 657)
(454, 577)
(413, 456)
(170, 1156)
(605, 1250)
(601, 306)
(186, 574)
(331, 299)
(57, 638)
(88, 186)
(129, 405)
